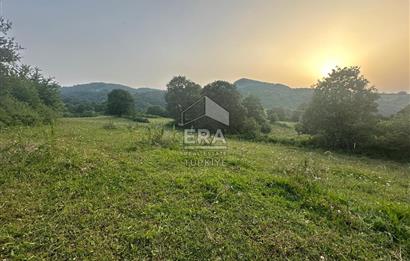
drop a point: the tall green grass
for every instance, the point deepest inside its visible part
(81, 190)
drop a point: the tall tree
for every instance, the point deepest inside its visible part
(9, 54)
(227, 96)
(254, 109)
(119, 103)
(272, 116)
(342, 110)
(9, 49)
(26, 96)
(181, 93)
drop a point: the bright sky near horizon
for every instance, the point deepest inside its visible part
(145, 43)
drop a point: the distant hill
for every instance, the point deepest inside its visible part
(270, 94)
(274, 95)
(279, 95)
(97, 92)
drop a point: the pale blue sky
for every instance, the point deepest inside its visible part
(145, 43)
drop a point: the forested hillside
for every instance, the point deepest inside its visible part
(271, 95)
(97, 93)
(279, 95)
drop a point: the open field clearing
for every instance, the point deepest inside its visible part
(105, 188)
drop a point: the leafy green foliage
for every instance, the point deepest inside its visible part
(181, 93)
(157, 110)
(265, 128)
(342, 111)
(393, 135)
(27, 98)
(76, 108)
(254, 109)
(120, 103)
(279, 113)
(226, 95)
(96, 93)
(9, 49)
(272, 116)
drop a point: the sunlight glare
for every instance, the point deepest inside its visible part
(328, 66)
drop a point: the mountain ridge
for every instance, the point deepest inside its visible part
(270, 94)
(280, 95)
(96, 92)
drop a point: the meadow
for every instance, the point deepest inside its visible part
(109, 188)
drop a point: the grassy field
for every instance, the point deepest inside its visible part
(103, 188)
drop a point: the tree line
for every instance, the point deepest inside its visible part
(342, 113)
(247, 116)
(26, 96)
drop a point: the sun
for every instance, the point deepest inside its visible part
(322, 62)
(328, 66)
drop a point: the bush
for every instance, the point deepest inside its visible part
(120, 103)
(272, 116)
(393, 136)
(156, 110)
(266, 128)
(140, 119)
(250, 128)
(14, 112)
(26, 97)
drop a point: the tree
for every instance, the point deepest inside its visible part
(297, 114)
(26, 96)
(181, 93)
(226, 95)
(280, 113)
(119, 103)
(9, 49)
(266, 128)
(272, 116)
(156, 110)
(393, 135)
(342, 110)
(254, 109)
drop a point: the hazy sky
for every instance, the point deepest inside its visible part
(145, 43)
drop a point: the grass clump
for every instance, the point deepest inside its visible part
(110, 126)
(157, 135)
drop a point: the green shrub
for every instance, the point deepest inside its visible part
(266, 128)
(14, 112)
(157, 111)
(140, 119)
(26, 97)
(250, 129)
(393, 137)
